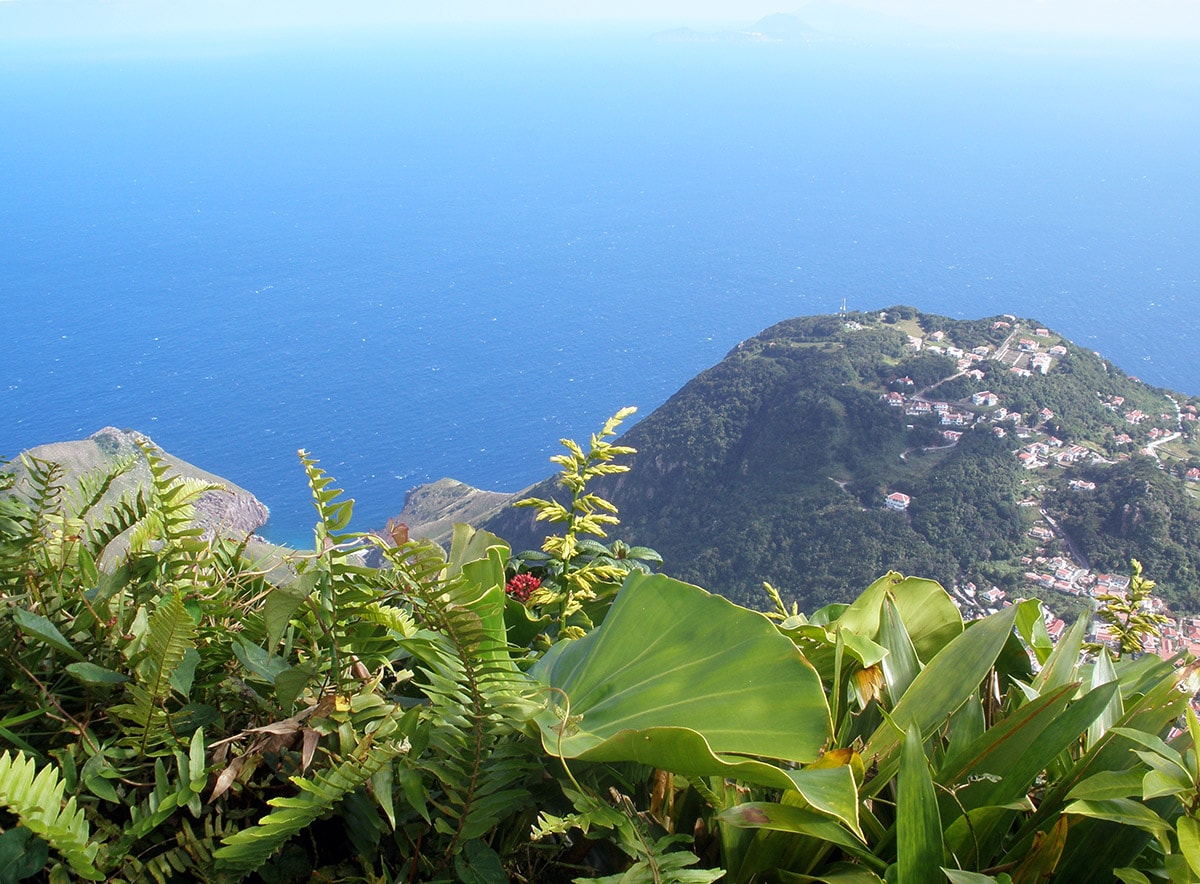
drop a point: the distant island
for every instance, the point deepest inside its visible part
(776, 28)
(818, 21)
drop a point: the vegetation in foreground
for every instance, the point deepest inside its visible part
(172, 710)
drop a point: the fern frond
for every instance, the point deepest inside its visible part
(36, 797)
(91, 487)
(396, 619)
(170, 635)
(29, 502)
(250, 848)
(44, 481)
(127, 512)
(333, 515)
(147, 530)
(475, 753)
(171, 515)
(190, 859)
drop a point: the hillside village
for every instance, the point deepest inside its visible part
(992, 455)
(1025, 351)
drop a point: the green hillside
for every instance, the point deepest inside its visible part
(776, 463)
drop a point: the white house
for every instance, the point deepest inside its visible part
(898, 502)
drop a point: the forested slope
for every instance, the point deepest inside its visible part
(775, 464)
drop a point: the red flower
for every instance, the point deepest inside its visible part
(521, 586)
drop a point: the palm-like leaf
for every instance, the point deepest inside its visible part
(36, 797)
(250, 848)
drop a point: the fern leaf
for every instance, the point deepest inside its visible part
(36, 797)
(471, 683)
(171, 514)
(332, 515)
(118, 518)
(29, 502)
(395, 619)
(250, 848)
(91, 487)
(44, 479)
(170, 635)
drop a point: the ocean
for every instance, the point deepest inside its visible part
(423, 254)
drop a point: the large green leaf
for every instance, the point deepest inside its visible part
(837, 873)
(1103, 673)
(671, 659)
(901, 665)
(22, 854)
(1060, 666)
(1189, 841)
(686, 681)
(1031, 626)
(929, 614)
(469, 545)
(1110, 784)
(96, 676)
(1003, 763)
(1125, 811)
(799, 821)
(819, 644)
(1097, 846)
(942, 686)
(37, 626)
(956, 876)
(919, 849)
(282, 603)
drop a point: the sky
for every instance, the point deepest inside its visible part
(39, 19)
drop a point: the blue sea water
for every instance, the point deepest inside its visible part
(427, 254)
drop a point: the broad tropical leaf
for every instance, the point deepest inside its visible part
(943, 685)
(675, 673)
(919, 850)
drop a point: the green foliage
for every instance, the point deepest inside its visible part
(578, 574)
(169, 637)
(1137, 511)
(1129, 618)
(774, 465)
(36, 797)
(171, 676)
(167, 713)
(691, 693)
(250, 848)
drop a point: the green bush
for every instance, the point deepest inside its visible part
(174, 708)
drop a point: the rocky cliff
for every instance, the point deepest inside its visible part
(232, 510)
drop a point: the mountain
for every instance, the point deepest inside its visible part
(992, 455)
(230, 510)
(431, 510)
(846, 20)
(829, 449)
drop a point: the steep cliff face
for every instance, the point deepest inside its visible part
(430, 511)
(231, 510)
